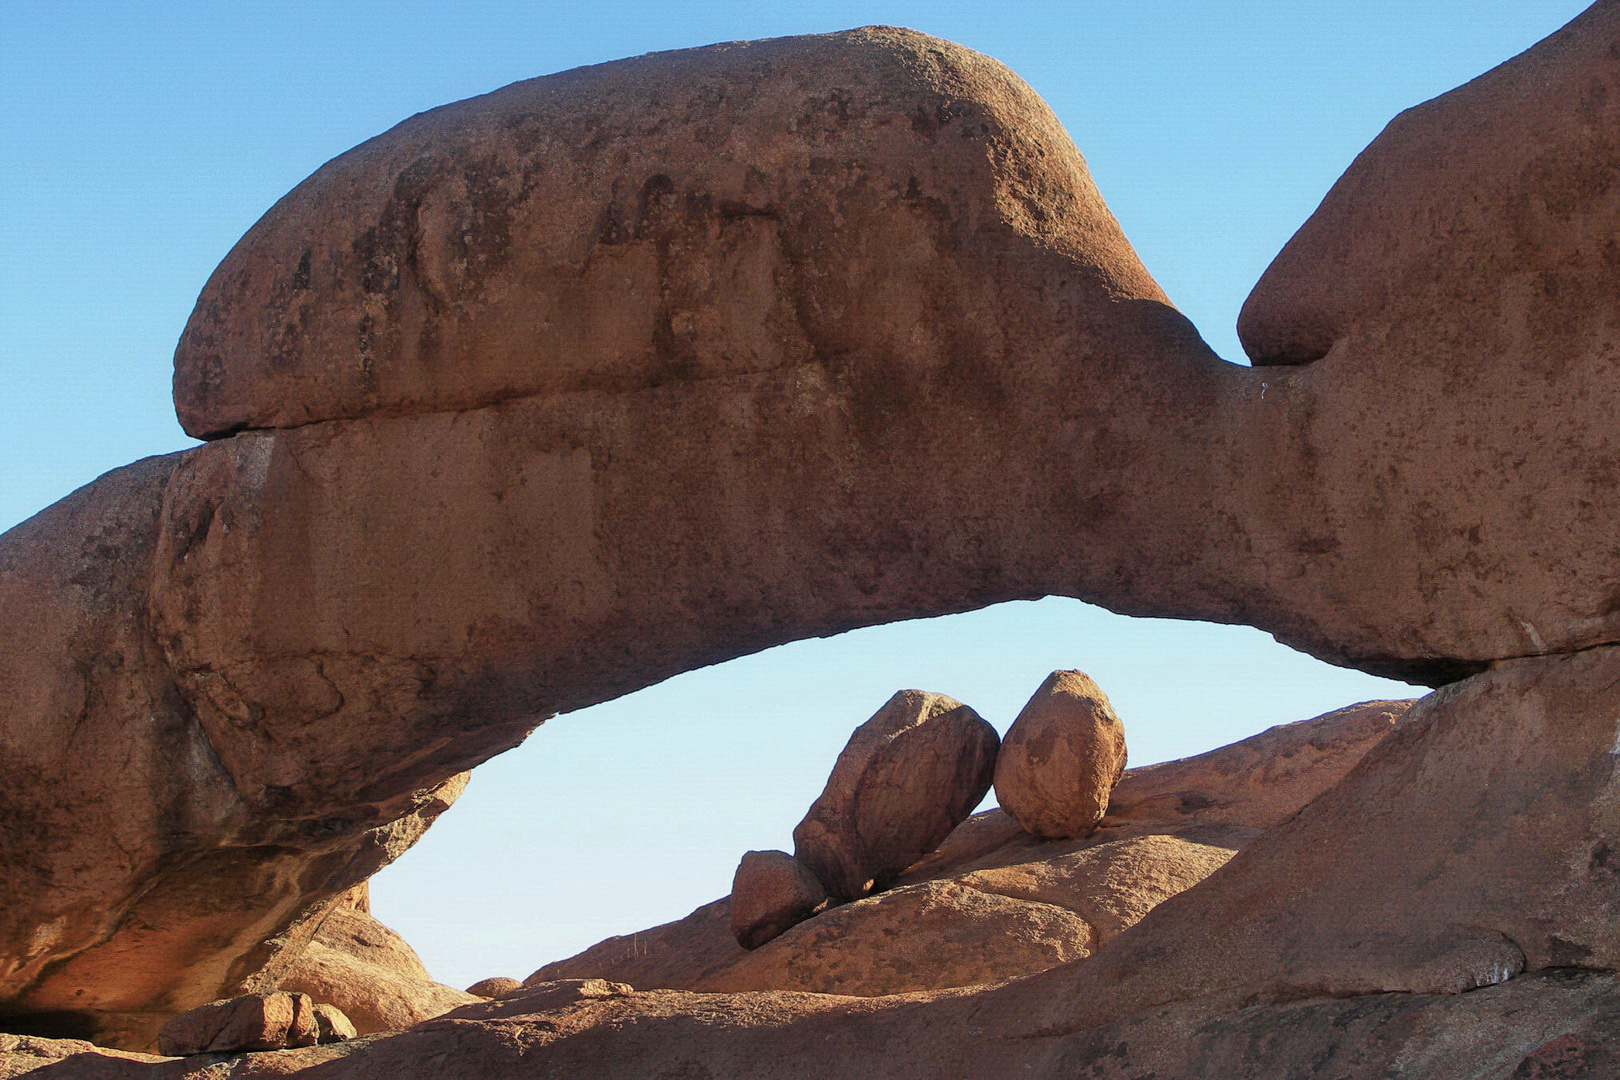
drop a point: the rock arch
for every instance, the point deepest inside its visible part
(546, 395)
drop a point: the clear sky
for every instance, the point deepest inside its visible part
(139, 140)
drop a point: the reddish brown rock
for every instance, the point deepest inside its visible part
(881, 271)
(674, 956)
(156, 881)
(1114, 884)
(907, 777)
(302, 608)
(1185, 819)
(248, 1022)
(1470, 845)
(1061, 758)
(370, 973)
(499, 986)
(921, 937)
(1538, 1027)
(1108, 882)
(1444, 321)
(331, 1025)
(1261, 781)
(771, 892)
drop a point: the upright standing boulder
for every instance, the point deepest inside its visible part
(907, 777)
(771, 892)
(1061, 758)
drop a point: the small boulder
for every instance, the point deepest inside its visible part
(907, 777)
(331, 1026)
(771, 893)
(249, 1022)
(1061, 758)
(497, 987)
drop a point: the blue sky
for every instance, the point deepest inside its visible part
(141, 139)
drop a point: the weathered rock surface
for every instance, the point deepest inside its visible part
(921, 937)
(1261, 781)
(331, 619)
(1192, 815)
(865, 345)
(1472, 844)
(331, 1025)
(771, 892)
(674, 956)
(130, 893)
(1039, 905)
(248, 1022)
(499, 986)
(907, 777)
(1450, 310)
(1113, 885)
(1061, 758)
(368, 971)
(1553, 1025)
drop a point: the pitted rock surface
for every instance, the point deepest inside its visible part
(960, 388)
(907, 777)
(771, 892)
(1061, 758)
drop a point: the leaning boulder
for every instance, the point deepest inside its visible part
(771, 892)
(907, 777)
(1061, 758)
(249, 1022)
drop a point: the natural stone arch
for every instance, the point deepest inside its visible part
(414, 535)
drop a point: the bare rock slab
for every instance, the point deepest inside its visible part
(676, 955)
(1473, 843)
(1061, 758)
(907, 777)
(1260, 781)
(770, 893)
(922, 937)
(1114, 884)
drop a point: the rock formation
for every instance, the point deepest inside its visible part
(770, 893)
(1261, 781)
(498, 986)
(1482, 831)
(250, 1022)
(908, 776)
(991, 883)
(364, 968)
(1061, 758)
(921, 937)
(1551, 1025)
(544, 396)
(331, 1025)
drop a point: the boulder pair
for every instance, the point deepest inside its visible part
(911, 774)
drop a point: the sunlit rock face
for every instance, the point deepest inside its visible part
(547, 395)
